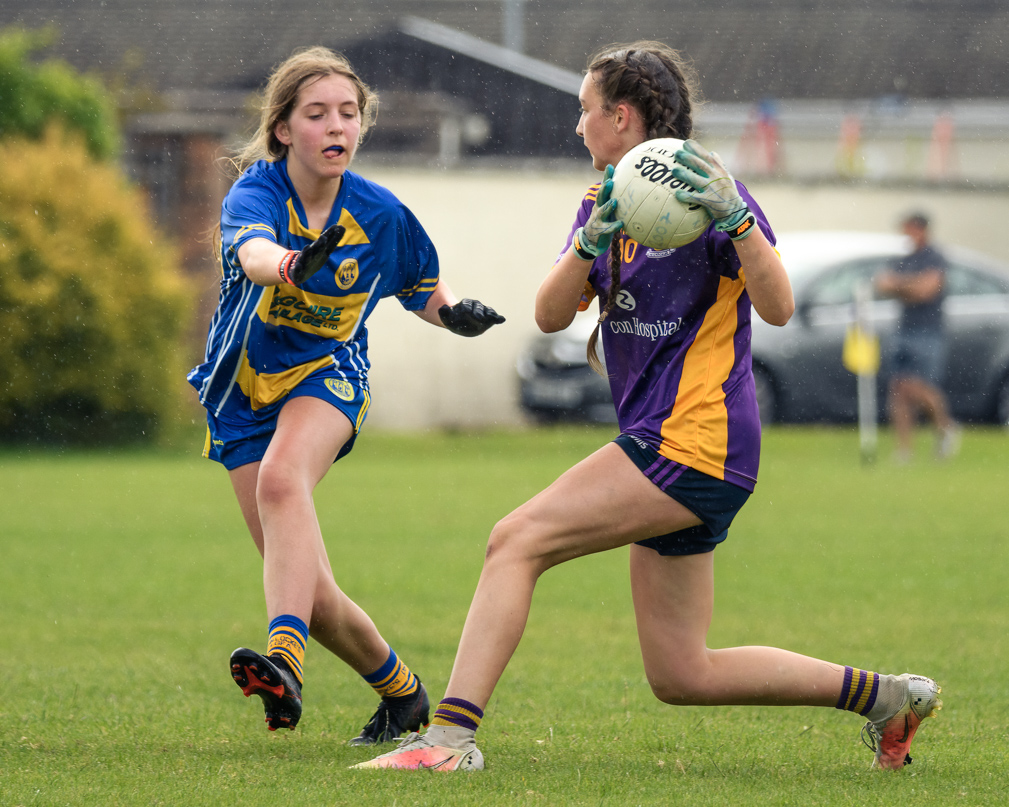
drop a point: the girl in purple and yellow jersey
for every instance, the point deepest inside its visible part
(308, 248)
(675, 328)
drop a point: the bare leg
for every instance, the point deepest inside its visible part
(601, 503)
(673, 599)
(275, 496)
(907, 395)
(932, 401)
(901, 415)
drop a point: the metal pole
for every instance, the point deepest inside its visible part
(514, 25)
(867, 407)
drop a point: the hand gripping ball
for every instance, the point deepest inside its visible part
(645, 190)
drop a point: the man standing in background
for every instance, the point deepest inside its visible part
(917, 358)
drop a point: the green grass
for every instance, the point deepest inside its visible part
(127, 578)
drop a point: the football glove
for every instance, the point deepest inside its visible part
(595, 236)
(297, 267)
(712, 186)
(469, 317)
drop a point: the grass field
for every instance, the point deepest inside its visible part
(127, 578)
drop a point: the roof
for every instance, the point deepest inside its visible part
(744, 50)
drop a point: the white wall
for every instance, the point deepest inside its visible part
(498, 233)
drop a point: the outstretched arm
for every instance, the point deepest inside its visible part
(465, 318)
(442, 295)
(267, 263)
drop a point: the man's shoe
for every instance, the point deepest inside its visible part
(396, 717)
(949, 441)
(891, 737)
(416, 753)
(271, 679)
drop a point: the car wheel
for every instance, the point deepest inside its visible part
(767, 396)
(1002, 403)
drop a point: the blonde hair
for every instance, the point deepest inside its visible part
(280, 96)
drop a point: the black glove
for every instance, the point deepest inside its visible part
(469, 317)
(297, 267)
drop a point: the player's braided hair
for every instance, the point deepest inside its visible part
(281, 95)
(653, 78)
(662, 86)
(616, 248)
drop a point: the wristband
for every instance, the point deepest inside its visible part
(580, 251)
(284, 269)
(742, 229)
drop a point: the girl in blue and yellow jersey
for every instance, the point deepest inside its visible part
(675, 329)
(308, 248)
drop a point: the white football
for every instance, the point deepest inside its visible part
(645, 190)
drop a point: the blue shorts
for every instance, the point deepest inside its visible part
(241, 436)
(919, 354)
(714, 501)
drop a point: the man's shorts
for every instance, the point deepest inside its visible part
(241, 435)
(919, 354)
(714, 501)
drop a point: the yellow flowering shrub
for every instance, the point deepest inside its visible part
(92, 303)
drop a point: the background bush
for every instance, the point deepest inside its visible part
(92, 304)
(32, 95)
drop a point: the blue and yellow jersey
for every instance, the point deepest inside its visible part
(677, 346)
(264, 340)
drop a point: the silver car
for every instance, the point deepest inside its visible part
(797, 368)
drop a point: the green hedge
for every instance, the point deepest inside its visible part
(92, 304)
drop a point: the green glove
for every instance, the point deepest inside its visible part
(713, 188)
(594, 238)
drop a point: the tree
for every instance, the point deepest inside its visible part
(34, 95)
(92, 304)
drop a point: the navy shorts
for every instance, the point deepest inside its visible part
(238, 438)
(920, 354)
(714, 501)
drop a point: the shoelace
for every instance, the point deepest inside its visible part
(410, 738)
(870, 731)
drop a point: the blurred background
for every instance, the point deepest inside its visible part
(838, 117)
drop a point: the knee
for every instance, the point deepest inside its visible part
(276, 485)
(681, 685)
(672, 692)
(506, 537)
(513, 540)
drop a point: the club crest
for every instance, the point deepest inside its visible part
(347, 274)
(341, 389)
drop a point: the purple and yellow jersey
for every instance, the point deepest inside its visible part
(264, 340)
(677, 347)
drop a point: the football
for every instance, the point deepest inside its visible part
(645, 190)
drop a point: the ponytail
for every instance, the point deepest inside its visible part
(591, 353)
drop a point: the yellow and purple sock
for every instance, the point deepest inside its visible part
(393, 679)
(459, 713)
(288, 637)
(859, 690)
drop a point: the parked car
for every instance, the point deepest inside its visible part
(797, 368)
